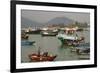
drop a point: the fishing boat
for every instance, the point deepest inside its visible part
(38, 57)
(26, 42)
(83, 53)
(82, 49)
(70, 39)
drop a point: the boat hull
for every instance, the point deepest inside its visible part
(49, 34)
(23, 43)
(39, 58)
(69, 42)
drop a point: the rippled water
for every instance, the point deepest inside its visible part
(52, 45)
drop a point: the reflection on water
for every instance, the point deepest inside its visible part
(51, 45)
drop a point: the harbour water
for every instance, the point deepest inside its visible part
(52, 45)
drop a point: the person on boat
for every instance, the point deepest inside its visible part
(76, 35)
(45, 54)
(78, 51)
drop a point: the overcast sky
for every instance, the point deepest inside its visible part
(45, 16)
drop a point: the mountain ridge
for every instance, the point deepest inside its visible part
(25, 23)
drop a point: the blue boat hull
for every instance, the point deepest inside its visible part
(27, 42)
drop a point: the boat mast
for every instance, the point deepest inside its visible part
(39, 51)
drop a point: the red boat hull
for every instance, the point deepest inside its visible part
(39, 58)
